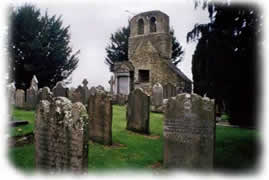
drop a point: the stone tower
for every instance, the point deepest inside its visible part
(150, 48)
(149, 54)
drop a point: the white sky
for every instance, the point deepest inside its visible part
(91, 24)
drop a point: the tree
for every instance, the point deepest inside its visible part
(117, 50)
(225, 61)
(39, 45)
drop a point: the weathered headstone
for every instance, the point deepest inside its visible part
(61, 136)
(45, 94)
(85, 92)
(31, 98)
(122, 99)
(169, 90)
(157, 95)
(189, 132)
(92, 91)
(138, 111)
(11, 91)
(34, 83)
(157, 98)
(70, 93)
(20, 98)
(60, 90)
(100, 117)
(77, 95)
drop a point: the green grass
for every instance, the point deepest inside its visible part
(235, 147)
(19, 114)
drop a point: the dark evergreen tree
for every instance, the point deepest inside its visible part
(226, 58)
(39, 45)
(117, 50)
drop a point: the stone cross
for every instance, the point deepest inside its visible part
(189, 132)
(85, 92)
(61, 136)
(100, 117)
(138, 111)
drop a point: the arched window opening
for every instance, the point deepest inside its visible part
(153, 24)
(140, 26)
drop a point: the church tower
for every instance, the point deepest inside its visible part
(150, 46)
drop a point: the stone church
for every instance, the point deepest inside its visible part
(149, 54)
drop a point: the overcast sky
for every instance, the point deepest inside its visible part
(92, 23)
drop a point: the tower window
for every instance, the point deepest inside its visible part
(153, 24)
(140, 26)
(143, 75)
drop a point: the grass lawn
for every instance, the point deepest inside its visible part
(236, 149)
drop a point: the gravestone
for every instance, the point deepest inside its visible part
(60, 90)
(11, 91)
(157, 95)
(70, 93)
(92, 91)
(77, 95)
(138, 109)
(169, 91)
(85, 92)
(61, 136)
(157, 98)
(189, 132)
(31, 98)
(122, 99)
(20, 98)
(100, 88)
(32, 94)
(100, 117)
(45, 94)
(34, 83)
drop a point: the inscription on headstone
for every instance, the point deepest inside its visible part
(61, 136)
(189, 132)
(100, 117)
(138, 111)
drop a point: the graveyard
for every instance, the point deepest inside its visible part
(151, 118)
(235, 148)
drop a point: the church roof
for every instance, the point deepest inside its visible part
(177, 71)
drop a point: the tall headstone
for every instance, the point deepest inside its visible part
(189, 132)
(61, 136)
(31, 98)
(11, 91)
(85, 91)
(100, 117)
(20, 98)
(138, 111)
(34, 83)
(60, 90)
(169, 90)
(157, 98)
(32, 94)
